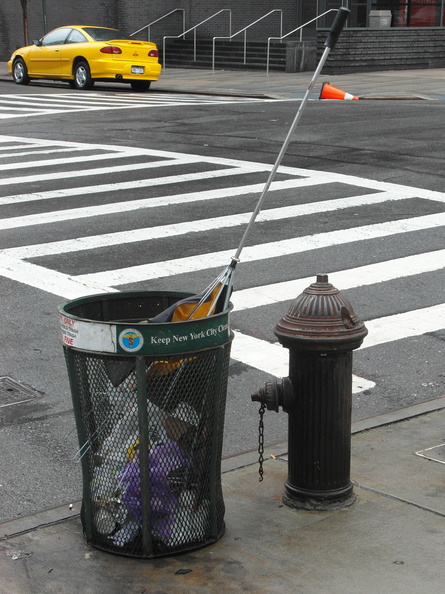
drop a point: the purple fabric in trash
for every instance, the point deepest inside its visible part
(162, 460)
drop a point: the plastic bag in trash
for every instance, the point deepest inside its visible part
(163, 502)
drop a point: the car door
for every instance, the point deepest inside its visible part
(70, 50)
(44, 57)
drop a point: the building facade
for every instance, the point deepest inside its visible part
(132, 15)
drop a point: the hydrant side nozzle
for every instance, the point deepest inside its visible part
(256, 396)
(274, 394)
(267, 395)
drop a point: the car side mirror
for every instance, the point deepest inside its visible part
(37, 42)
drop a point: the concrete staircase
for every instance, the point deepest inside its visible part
(357, 50)
(367, 50)
(229, 55)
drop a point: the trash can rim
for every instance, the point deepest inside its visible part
(130, 336)
(118, 295)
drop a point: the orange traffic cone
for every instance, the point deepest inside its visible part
(330, 92)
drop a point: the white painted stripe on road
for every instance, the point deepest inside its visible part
(20, 152)
(268, 357)
(145, 203)
(47, 280)
(4, 138)
(136, 150)
(148, 202)
(176, 229)
(82, 172)
(67, 99)
(27, 145)
(27, 114)
(395, 327)
(31, 108)
(16, 139)
(305, 173)
(70, 161)
(263, 251)
(405, 325)
(272, 358)
(32, 112)
(320, 176)
(297, 183)
(260, 354)
(172, 179)
(343, 279)
(108, 103)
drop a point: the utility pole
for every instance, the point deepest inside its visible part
(25, 20)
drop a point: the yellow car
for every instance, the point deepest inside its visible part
(83, 55)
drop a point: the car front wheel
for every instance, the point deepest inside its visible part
(82, 76)
(20, 72)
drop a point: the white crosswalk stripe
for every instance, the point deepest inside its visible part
(19, 106)
(49, 166)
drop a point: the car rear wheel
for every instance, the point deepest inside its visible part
(82, 76)
(140, 85)
(20, 72)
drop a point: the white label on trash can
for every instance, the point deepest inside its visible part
(88, 336)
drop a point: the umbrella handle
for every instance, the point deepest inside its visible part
(337, 27)
(334, 34)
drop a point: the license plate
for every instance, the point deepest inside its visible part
(137, 70)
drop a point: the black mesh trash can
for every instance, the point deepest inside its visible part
(149, 403)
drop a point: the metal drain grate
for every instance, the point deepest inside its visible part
(11, 392)
(436, 453)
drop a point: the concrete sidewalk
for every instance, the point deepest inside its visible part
(390, 541)
(395, 84)
(401, 84)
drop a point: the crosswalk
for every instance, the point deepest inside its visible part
(93, 218)
(27, 105)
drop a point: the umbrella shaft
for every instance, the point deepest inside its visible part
(281, 154)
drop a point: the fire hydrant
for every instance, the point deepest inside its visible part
(320, 330)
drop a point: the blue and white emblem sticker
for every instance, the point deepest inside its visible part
(131, 340)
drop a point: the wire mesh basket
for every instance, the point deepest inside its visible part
(150, 422)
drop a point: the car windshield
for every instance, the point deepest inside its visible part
(99, 34)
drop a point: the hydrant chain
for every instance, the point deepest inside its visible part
(261, 442)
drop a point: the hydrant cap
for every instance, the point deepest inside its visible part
(321, 317)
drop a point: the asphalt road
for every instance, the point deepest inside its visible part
(361, 199)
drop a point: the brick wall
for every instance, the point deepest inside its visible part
(58, 13)
(134, 14)
(131, 15)
(357, 50)
(365, 50)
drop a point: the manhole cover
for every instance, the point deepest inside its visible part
(436, 453)
(11, 392)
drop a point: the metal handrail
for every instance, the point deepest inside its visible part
(300, 28)
(160, 19)
(194, 32)
(245, 33)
